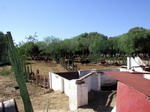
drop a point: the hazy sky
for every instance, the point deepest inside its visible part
(69, 18)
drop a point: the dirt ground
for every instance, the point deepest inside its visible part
(42, 98)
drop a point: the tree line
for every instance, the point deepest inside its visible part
(3, 50)
(86, 45)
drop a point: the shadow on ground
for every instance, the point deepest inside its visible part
(102, 101)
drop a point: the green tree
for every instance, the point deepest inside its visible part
(29, 49)
(3, 49)
(113, 46)
(126, 44)
(42, 47)
(140, 39)
(99, 46)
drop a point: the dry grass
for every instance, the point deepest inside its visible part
(94, 66)
(42, 98)
(46, 67)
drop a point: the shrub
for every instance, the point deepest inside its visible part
(5, 71)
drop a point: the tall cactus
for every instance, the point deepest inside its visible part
(19, 71)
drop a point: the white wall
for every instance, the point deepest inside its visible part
(134, 63)
(139, 61)
(123, 70)
(56, 82)
(88, 82)
(77, 93)
(93, 82)
(78, 96)
(82, 94)
(96, 82)
(107, 80)
(83, 73)
(128, 62)
(67, 86)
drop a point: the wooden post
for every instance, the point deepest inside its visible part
(37, 77)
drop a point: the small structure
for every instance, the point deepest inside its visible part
(76, 85)
(133, 92)
(133, 89)
(135, 64)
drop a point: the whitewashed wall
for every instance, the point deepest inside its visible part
(131, 62)
(82, 93)
(83, 73)
(78, 96)
(67, 86)
(77, 93)
(139, 61)
(96, 82)
(88, 82)
(93, 82)
(56, 82)
(107, 80)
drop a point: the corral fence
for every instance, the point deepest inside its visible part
(37, 78)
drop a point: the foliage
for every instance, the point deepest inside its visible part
(135, 41)
(3, 49)
(29, 49)
(5, 71)
(32, 38)
(93, 57)
(99, 46)
(42, 47)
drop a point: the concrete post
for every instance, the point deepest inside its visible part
(50, 80)
(128, 62)
(62, 85)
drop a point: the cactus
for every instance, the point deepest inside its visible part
(19, 70)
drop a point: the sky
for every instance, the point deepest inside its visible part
(69, 18)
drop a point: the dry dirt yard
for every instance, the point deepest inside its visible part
(43, 99)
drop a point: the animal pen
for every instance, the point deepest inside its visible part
(76, 85)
